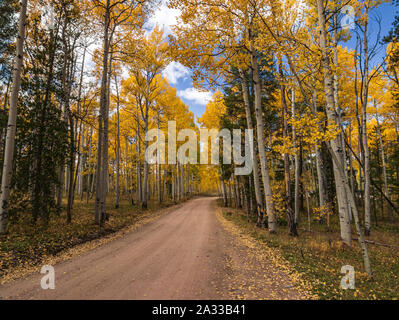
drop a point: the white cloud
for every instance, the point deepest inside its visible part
(175, 71)
(198, 97)
(165, 18)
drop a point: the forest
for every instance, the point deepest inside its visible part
(83, 82)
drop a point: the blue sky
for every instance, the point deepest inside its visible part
(386, 13)
(180, 77)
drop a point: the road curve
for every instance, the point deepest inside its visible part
(181, 255)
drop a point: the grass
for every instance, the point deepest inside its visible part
(319, 256)
(28, 244)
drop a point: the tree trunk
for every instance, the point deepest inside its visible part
(71, 171)
(384, 166)
(159, 179)
(145, 195)
(292, 220)
(321, 172)
(138, 147)
(82, 129)
(248, 112)
(297, 160)
(367, 180)
(105, 172)
(12, 122)
(225, 201)
(90, 177)
(336, 146)
(366, 259)
(272, 223)
(118, 147)
(100, 187)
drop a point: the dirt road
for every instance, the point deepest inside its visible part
(186, 254)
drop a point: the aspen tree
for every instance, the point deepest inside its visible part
(12, 121)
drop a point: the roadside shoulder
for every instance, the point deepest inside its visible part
(262, 272)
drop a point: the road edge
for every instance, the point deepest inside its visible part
(244, 238)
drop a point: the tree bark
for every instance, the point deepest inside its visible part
(297, 160)
(144, 202)
(367, 181)
(100, 187)
(272, 222)
(118, 146)
(248, 112)
(292, 219)
(159, 178)
(225, 201)
(12, 122)
(384, 166)
(336, 146)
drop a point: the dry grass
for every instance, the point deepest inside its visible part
(319, 255)
(27, 245)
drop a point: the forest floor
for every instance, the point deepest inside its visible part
(28, 246)
(319, 255)
(191, 252)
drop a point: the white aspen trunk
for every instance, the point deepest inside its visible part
(71, 173)
(336, 147)
(100, 187)
(366, 259)
(139, 190)
(339, 111)
(248, 112)
(367, 178)
(12, 122)
(146, 167)
(321, 182)
(384, 165)
(126, 164)
(159, 178)
(297, 163)
(118, 146)
(321, 174)
(292, 221)
(90, 177)
(272, 223)
(81, 160)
